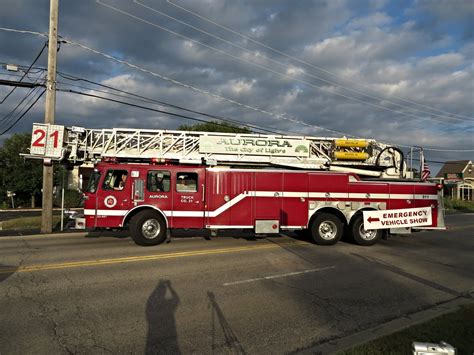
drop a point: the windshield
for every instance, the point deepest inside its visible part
(93, 182)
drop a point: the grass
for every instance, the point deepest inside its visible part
(458, 205)
(27, 223)
(456, 329)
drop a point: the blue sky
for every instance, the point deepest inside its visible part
(397, 71)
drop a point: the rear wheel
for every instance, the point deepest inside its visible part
(326, 229)
(148, 228)
(363, 236)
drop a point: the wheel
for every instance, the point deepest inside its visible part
(148, 228)
(326, 229)
(362, 236)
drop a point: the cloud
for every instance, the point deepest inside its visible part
(417, 59)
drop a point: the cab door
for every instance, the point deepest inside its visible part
(188, 198)
(113, 198)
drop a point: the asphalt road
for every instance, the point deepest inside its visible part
(78, 293)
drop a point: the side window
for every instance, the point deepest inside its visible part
(186, 182)
(158, 180)
(115, 180)
(93, 182)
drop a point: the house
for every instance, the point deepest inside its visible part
(458, 179)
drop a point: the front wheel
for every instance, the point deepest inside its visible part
(148, 228)
(326, 229)
(362, 236)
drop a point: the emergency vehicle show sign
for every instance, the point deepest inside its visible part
(408, 217)
(254, 146)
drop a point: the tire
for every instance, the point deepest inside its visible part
(148, 228)
(326, 229)
(361, 236)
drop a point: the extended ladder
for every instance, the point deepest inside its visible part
(77, 145)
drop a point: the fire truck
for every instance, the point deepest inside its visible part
(154, 181)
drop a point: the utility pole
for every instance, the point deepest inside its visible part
(50, 109)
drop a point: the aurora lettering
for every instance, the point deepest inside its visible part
(255, 142)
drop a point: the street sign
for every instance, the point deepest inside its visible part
(408, 217)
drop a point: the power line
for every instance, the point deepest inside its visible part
(16, 84)
(288, 66)
(9, 114)
(301, 60)
(142, 98)
(443, 162)
(208, 93)
(23, 114)
(187, 117)
(140, 106)
(263, 67)
(150, 100)
(11, 74)
(188, 86)
(26, 72)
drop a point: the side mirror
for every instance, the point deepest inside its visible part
(80, 182)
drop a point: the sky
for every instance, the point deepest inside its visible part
(400, 72)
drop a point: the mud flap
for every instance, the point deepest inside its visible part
(406, 230)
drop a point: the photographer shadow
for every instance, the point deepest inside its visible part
(162, 337)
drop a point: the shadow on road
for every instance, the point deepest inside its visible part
(384, 265)
(6, 271)
(162, 337)
(119, 234)
(232, 344)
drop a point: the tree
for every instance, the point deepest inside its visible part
(214, 126)
(23, 177)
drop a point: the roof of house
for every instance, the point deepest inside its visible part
(453, 167)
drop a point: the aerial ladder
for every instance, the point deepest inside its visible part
(77, 145)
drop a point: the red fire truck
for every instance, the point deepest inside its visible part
(153, 181)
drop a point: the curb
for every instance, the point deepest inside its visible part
(337, 345)
(36, 209)
(36, 233)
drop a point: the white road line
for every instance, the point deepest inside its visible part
(278, 276)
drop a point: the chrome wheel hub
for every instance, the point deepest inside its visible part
(151, 228)
(367, 234)
(327, 230)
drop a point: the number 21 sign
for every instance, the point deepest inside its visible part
(47, 140)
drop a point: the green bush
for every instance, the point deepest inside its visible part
(72, 199)
(458, 205)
